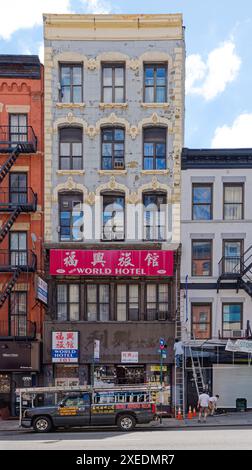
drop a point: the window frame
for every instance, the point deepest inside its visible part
(209, 323)
(18, 253)
(113, 142)
(98, 303)
(71, 65)
(232, 240)
(156, 227)
(155, 65)
(115, 195)
(113, 66)
(68, 303)
(222, 317)
(18, 316)
(73, 195)
(127, 300)
(71, 157)
(145, 129)
(196, 240)
(210, 185)
(157, 301)
(241, 185)
(18, 126)
(19, 191)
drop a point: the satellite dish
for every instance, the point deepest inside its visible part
(33, 237)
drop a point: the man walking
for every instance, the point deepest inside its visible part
(203, 405)
(213, 404)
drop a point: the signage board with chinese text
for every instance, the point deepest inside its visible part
(65, 346)
(111, 262)
(129, 357)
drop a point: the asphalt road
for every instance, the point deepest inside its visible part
(187, 439)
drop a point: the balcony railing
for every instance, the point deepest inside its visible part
(26, 260)
(13, 136)
(18, 327)
(25, 198)
(230, 267)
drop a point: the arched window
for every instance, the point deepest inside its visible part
(112, 148)
(70, 148)
(154, 148)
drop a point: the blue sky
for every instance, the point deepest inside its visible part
(218, 48)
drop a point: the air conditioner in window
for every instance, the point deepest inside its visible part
(237, 334)
(162, 315)
(118, 236)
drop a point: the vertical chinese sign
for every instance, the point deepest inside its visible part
(65, 346)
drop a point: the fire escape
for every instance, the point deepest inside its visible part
(12, 204)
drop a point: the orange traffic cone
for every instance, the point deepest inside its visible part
(179, 415)
(190, 415)
(194, 412)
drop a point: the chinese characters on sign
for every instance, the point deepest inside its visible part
(111, 262)
(127, 357)
(64, 346)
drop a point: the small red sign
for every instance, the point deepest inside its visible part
(111, 262)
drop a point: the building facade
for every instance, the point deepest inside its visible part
(216, 259)
(21, 222)
(114, 118)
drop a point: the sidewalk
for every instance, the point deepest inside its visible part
(228, 419)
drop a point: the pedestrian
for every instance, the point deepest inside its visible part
(203, 405)
(213, 404)
(178, 351)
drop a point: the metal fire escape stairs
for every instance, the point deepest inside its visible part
(240, 271)
(7, 289)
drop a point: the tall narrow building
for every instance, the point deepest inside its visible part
(114, 118)
(21, 223)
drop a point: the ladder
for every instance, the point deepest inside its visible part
(179, 401)
(197, 371)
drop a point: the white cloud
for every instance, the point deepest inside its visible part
(41, 52)
(210, 78)
(238, 135)
(97, 6)
(18, 14)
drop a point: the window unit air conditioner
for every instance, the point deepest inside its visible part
(119, 164)
(237, 334)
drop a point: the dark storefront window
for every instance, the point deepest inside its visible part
(155, 148)
(202, 201)
(71, 217)
(112, 148)
(71, 83)
(127, 302)
(18, 188)
(233, 201)
(202, 258)
(70, 148)
(155, 83)
(18, 314)
(157, 302)
(98, 300)
(68, 296)
(113, 83)
(231, 319)
(201, 321)
(154, 216)
(113, 217)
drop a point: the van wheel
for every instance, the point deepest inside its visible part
(126, 423)
(42, 424)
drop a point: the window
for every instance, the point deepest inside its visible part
(98, 302)
(113, 83)
(18, 128)
(155, 148)
(18, 248)
(231, 318)
(201, 321)
(233, 201)
(71, 217)
(154, 216)
(127, 302)
(232, 255)
(18, 188)
(155, 83)
(70, 148)
(113, 217)
(68, 297)
(157, 302)
(202, 202)
(202, 258)
(112, 148)
(18, 313)
(71, 83)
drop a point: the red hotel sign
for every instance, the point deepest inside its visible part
(111, 262)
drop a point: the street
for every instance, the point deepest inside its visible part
(226, 438)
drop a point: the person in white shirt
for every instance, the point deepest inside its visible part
(178, 351)
(213, 404)
(203, 405)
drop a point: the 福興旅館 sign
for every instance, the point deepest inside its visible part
(65, 346)
(111, 262)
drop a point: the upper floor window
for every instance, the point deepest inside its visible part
(18, 313)
(70, 148)
(154, 216)
(71, 217)
(68, 296)
(18, 127)
(127, 302)
(18, 248)
(18, 188)
(71, 83)
(201, 321)
(233, 201)
(155, 83)
(157, 302)
(113, 217)
(155, 148)
(202, 201)
(112, 148)
(231, 319)
(232, 256)
(202, 257)
(98, 302)
(113, 83)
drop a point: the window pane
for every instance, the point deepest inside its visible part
(233, 211)
(151, 293)
(107, 76)
(149, 76)
(77, 94)
(77, 75)
(149, 94)
(107, 150)
(22, 241)
(92, 312)
(65, 149)
(74, 312)
(77, 149)
(65, 94)
(148, 163)
(65, 76)
(202, 212)
(104, 293)
(74, 293)
(91, 293)
(163, 293)
(121, 312)
(160, 163)
(148, 149)
(133, 293)
(121, 293)
(107, 135)
(119, 134)
(202, 194)
(104, 312)
(160, 150)
(107, 163)
(119, 150)
(233, 194)
(62, 293)
(119, 95)
(161, 76)
(107, 95)
(119, 76)
(77, 163)
(160, 95)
